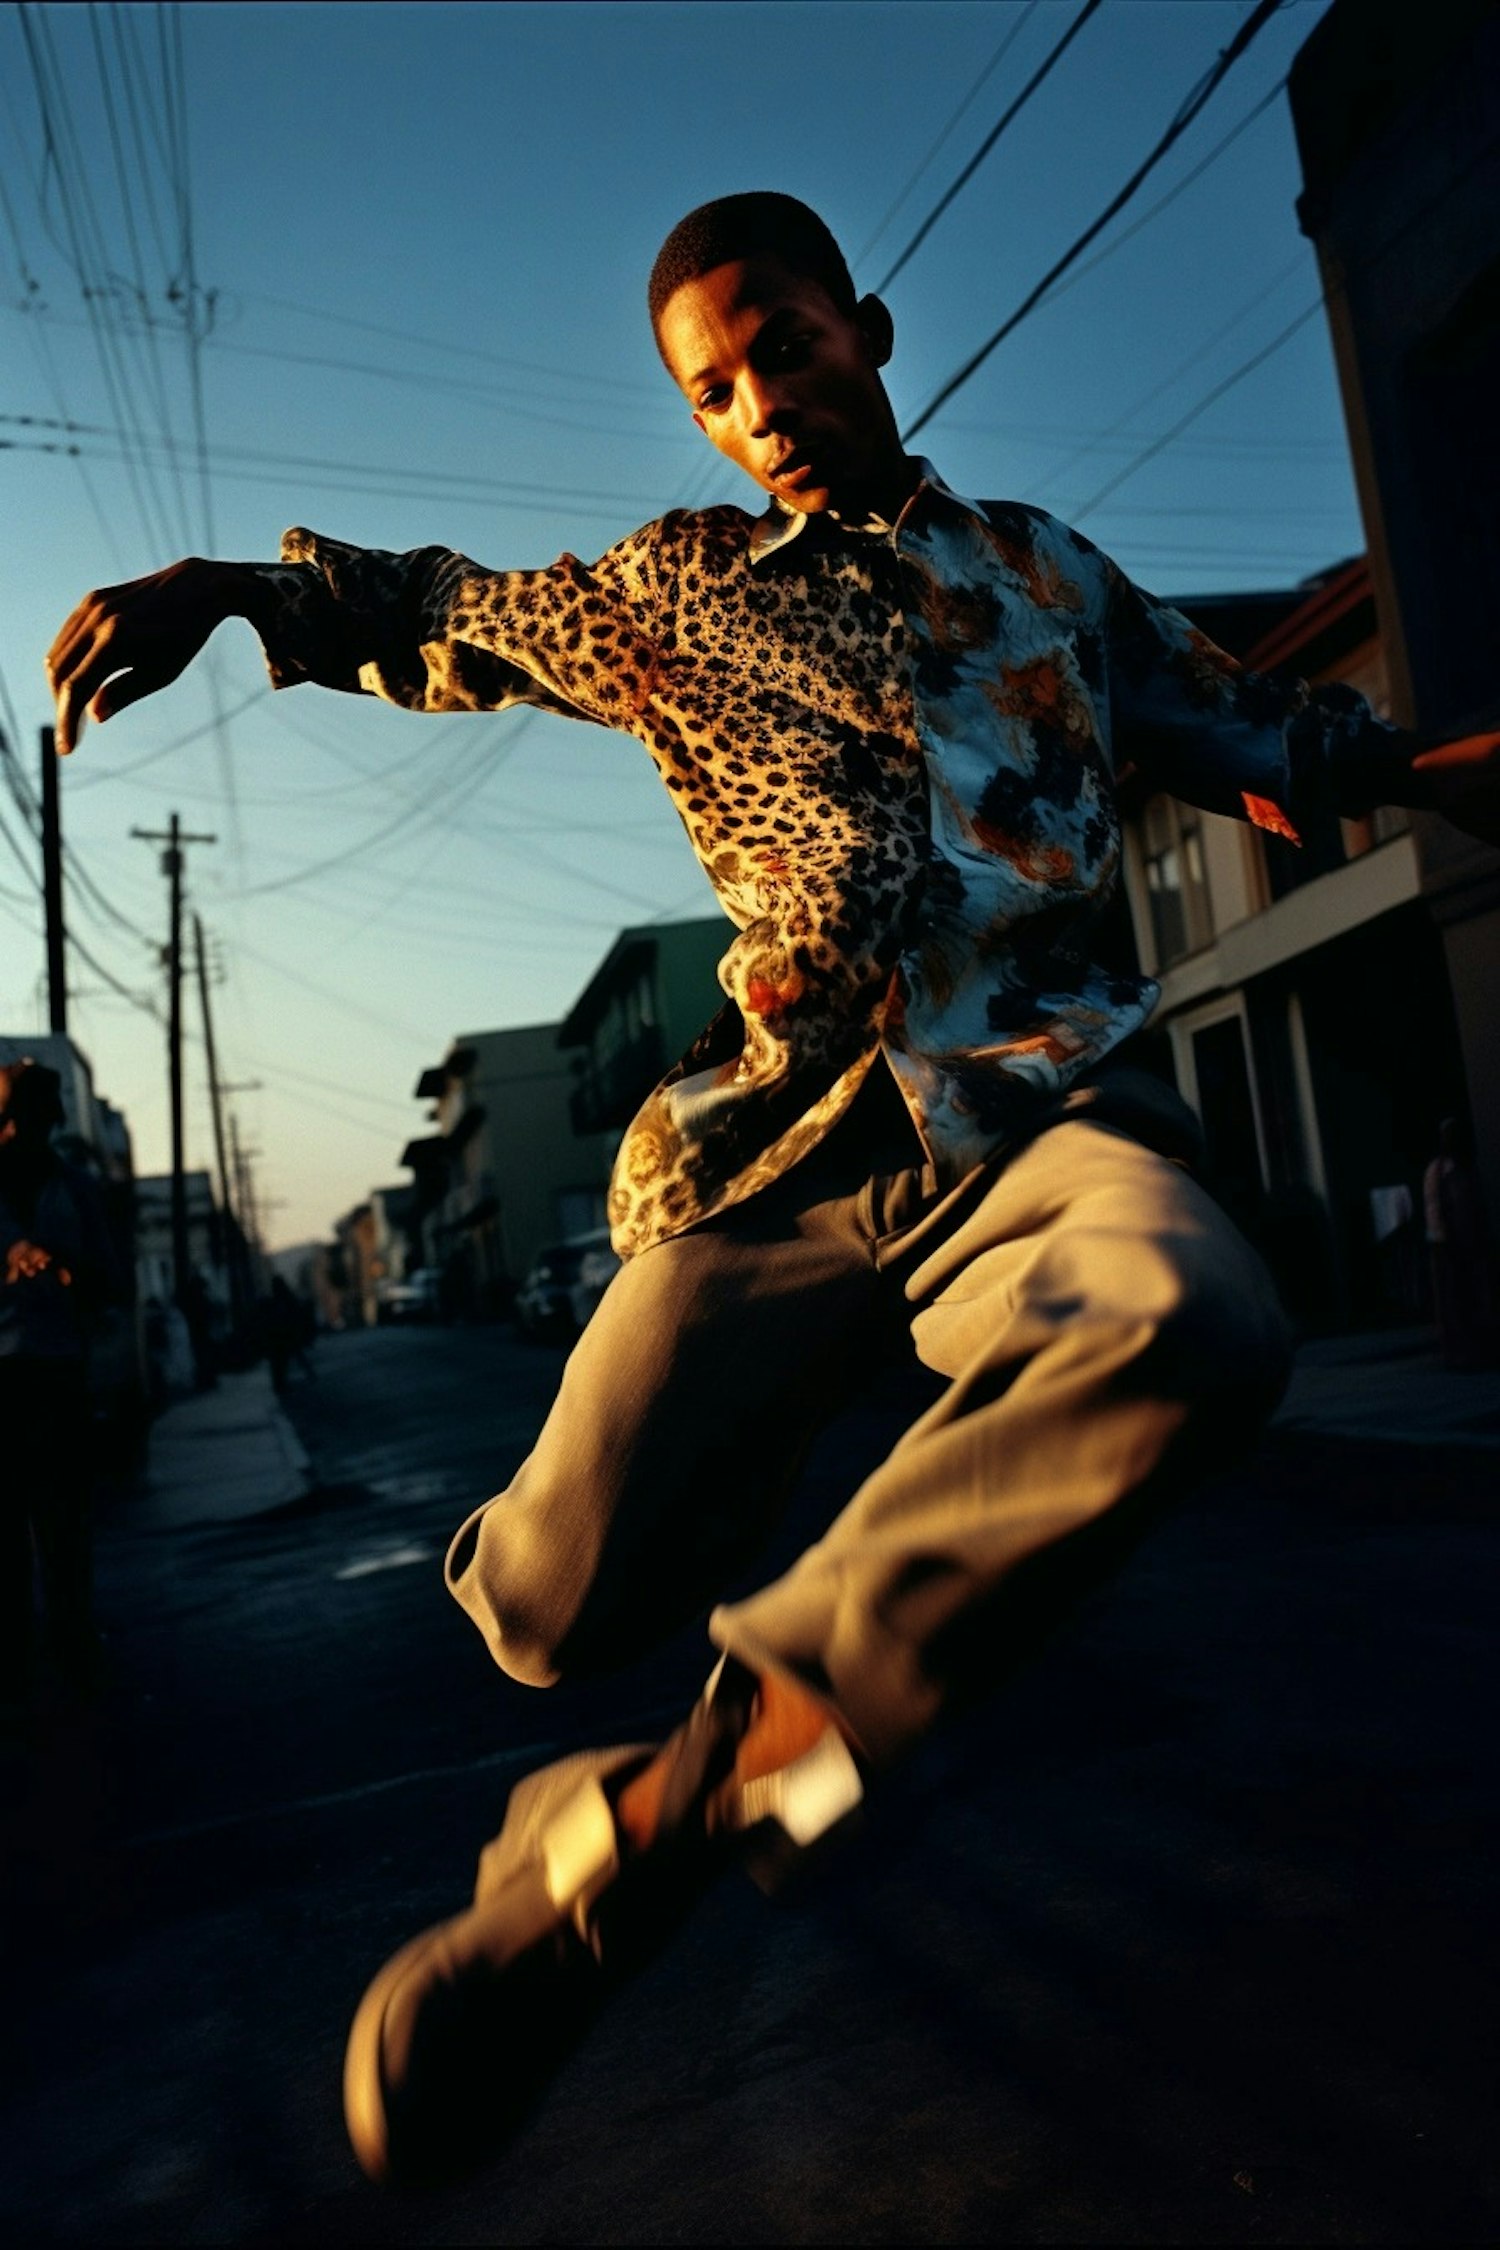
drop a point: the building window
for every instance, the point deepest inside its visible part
(1176, 886)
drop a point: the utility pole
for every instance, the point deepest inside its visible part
(171, 866)
(248, 1219)
(52, 888)
(244, 1265)
(217, 1109)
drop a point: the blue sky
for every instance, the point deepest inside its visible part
(429, 229)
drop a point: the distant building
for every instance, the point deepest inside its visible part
(650, 996)
(528, 1120)
(326, 1285)
(372, 1249)
(357, 1269)
(208, 1238)
(1395, 111)
(217, 1257)
(505, 1173)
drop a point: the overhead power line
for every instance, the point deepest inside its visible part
(1257, 358)
(1366, 264)
(22, 856)
(1118, 432)
(137, 1000)
(505, 487)
(338, 487)
(956, 187)
(976, 87)
(500, 397)
(465, 772)
(1163, 202)
(88, 893)
(340, 1000)
(613, 384)
(1195, 102)
(126, 206)
(55, 116)
(466, 493)
(165, 749)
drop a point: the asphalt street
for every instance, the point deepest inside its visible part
(1187, 1935)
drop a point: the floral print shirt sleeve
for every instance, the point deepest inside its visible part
(1204, 729)
(895, 750)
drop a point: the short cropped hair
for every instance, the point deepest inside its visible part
(748, 226)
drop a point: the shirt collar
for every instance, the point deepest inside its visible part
(780, 524)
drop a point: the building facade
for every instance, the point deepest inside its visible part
(1306, 1009)
(1397, 115)
(644, 1005)
(506, 1172)
(371, 1249)
(526, 1122)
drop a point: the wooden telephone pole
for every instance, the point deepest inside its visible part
(215, 1096)
(171, 866)
(52, 888)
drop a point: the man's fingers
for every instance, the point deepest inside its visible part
(69, 722)
(80, 684)
(72, 643)
(77, 629)
(78, 664)
(126, 688)
(110, 675)
(116, 693)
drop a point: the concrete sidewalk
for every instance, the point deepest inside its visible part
(1391, 1386)
(220, 1456)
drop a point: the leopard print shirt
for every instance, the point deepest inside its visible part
(894, 749)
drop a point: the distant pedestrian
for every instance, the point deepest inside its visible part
(286, 1334)
(1460, 1253)
(198, 1312)
(58, 1270)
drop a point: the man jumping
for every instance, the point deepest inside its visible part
(893, 721)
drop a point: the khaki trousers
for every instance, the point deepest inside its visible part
(1103, 1328)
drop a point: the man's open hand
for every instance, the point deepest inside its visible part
(127, 641)
(1464, 779)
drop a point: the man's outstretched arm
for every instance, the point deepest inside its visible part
(1239, 742)
(428, 630)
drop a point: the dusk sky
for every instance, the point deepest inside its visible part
(429, 230)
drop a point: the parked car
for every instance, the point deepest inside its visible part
(596, 1270)
(544, 1302)
(418, 1297)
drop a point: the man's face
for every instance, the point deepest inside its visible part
(785, 385)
